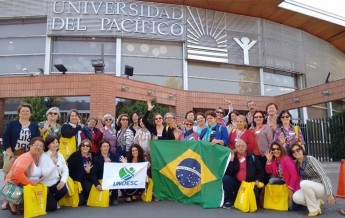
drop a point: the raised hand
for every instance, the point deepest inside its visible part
(269, 155)
(149, 105)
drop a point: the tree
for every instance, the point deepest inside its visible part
(140, 107)
(337, 130)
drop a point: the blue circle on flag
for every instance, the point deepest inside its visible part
(188, 173)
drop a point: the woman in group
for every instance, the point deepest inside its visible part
(315, 184)
(103, 155)
(159, 130)
(201, 123)
(143, 138)
(109, 133)
(241, 132)
(282, 168)
(285, 133)
(26, 169)
(97, 134)
(124, 136)
(17, 136)
(231, 124)
(214, 133)
(50, 126)
(135, 155)
(79, 166)
(188, 133)
(54, 171)
(134, 122)
(243, 166)
(171, 124)
(271, 110)
(74, 127)
(263, 135)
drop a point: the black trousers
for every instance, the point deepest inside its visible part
(54, 196)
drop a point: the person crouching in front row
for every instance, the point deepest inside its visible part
(243, 166)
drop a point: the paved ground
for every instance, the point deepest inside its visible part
(168, 209)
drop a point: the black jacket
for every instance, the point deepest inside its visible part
(76, 167)
(98, 167)
(167, 134)
(253, 167)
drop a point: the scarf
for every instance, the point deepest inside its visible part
(208, 131)
(187, 133)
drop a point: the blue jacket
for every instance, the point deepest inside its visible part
(221, 134)
(12, 131)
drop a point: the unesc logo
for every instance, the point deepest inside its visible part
(126, 174)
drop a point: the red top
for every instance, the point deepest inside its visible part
(241, 174)
(248, 137)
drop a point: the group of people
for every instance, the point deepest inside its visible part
(265, 148)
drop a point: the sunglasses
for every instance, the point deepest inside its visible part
(188, 124)
(275, 149)
(85, 145)
(169, 118)
(256, 117)
(158, 118)
(53, 113)
(287, 117)
(124, 119)
(219, 112)
(296, 151)
(108, 120)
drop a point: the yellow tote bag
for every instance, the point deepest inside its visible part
(146, 196)
(276, 197)
(35, 200)
(67, 146)
(70, 186)
(245, 199)
(72, 201)
(98, 198)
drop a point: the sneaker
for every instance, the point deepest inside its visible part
(3, 206)
(128, 199)
(228, 205)
(134, 198)
(114, 202)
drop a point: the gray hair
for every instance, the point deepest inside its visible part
(169, 113)
(106, 117)
(54, 108)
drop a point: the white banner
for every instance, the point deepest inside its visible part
(124, 175)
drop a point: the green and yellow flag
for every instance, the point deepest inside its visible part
(190, 172)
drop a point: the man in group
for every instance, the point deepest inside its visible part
(252, 108)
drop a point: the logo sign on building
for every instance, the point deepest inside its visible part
(208, 35)
(124, 175)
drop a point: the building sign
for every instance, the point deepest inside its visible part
(206, 33)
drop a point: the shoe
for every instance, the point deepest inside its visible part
(341, 212)
(228, 205)
(4, 205)
(322, 202)
(134, 198)
(315, 213)
(14, 212)
(114, 202)
(128, 199)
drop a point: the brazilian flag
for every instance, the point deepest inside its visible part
(190, 172)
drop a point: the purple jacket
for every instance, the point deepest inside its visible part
(290, 174)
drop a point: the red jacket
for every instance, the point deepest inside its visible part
(248, 137)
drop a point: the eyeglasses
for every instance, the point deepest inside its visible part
(219, 112)
(38, 145)
(108, 119)
(275, 149)
(124, 119)
(256, 117)
(169, 118)
(286, 117)
(85, 145)
(53, 113)
(188, 124)
(158, 118)
(296, 151)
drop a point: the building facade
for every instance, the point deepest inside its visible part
(172, 45)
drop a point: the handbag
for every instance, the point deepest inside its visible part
(12, 193)
(276, 197)
(245, 199)
(98, 198)
(8, 162)
(146, 196)
(35, 200)
(67, 146)
(72, 201)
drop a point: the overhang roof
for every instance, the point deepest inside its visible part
(269, 10)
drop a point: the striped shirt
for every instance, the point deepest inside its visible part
(311, 169)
